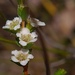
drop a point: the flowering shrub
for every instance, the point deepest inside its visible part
(23, 27)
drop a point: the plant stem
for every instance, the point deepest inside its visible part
(25, 70)
(23, 24)
(45, 55)
(7, 41)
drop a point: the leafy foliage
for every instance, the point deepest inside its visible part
(60, 72)
(22, 12)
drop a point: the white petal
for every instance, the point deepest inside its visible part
(15, 52)
(8, 22)
(16, 27)
(41, 23)
(13, 58)
(5, 27)
(33, 40)
(23, 63)
(33, 24)
(36, 19)
(23, 43)
(18, 34)
(25, 31)
(18, 18)
(30, 56)
(33, 34)
(26, 52)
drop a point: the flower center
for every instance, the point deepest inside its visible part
(13, 24)
(22, 56)
(26, 38)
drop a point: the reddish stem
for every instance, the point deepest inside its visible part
(25, 70)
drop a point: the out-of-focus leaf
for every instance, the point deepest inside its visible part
(22, 12)
(60, 72)
(49, 6)
(20, 1)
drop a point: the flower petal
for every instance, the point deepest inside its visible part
(25, 31)
(8, 22)
(23, 43)
(33, 34)
(13, 58)
(26, 52)
(16, 27)
(23, 63)
(15, 52)
(30, 56)
(33, 40)
(41, 23)
(18, 34)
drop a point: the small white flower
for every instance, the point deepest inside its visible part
(35, 22)
(26, 37)
(13, 24)
(21, 57)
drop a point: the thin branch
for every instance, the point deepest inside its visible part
(46, 60)
(7, 41)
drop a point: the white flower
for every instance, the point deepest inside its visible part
(21, 57)
(13, 24)
(36, 22)
(26, 37)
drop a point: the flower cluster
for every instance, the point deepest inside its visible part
(24, 36)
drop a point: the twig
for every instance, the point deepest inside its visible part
(7, 41)
(25, 70)
(46, 60)
(23, 24)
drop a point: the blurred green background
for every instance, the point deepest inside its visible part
(58, 36)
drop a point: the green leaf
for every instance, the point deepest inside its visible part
(2, 39)
(60, 72)
(22, 12)
(20, 2)
(29, 46)
(17, 42)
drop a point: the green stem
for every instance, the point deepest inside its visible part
(7, 41)
(63, 53)
(53, 50)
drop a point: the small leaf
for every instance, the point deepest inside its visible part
(20, 2)
(22, 12)
(60, 72)
(29, 46)
(17, 42)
